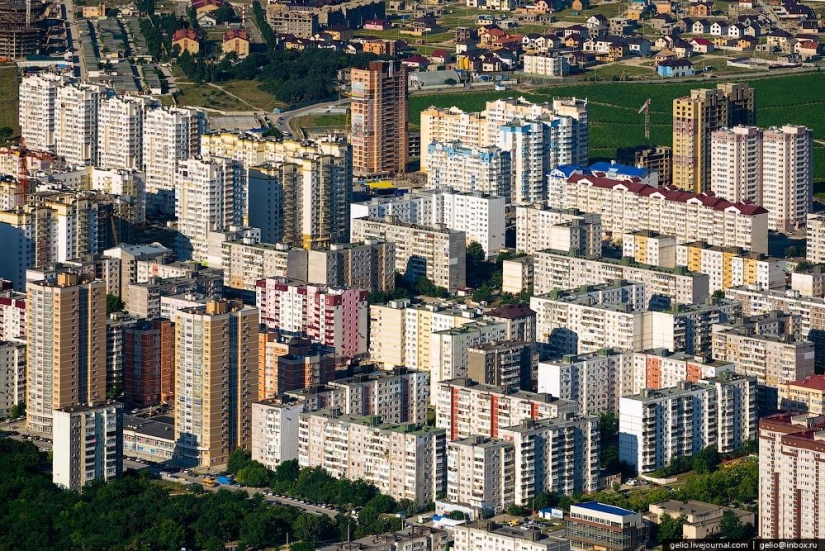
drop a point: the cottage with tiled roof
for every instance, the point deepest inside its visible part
(186, 40)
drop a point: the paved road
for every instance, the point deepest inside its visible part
(284, 119)
(74, 38)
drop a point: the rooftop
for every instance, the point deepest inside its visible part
(603, 508)
(814, 382)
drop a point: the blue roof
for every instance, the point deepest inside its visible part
(604, 508)
(567, 170)
(620, 169)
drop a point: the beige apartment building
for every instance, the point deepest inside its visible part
(405, 461)
(216, 353)
(695, 117)
(387, 333)
(803, 396)
(452, 125)
(66, 352)
(815, 249)
(379, 119)
(728, 267)
(539, 227)
(649, 247)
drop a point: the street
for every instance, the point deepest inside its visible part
(73, 38)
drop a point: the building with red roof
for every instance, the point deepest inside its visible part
(236, 41)
(804, 396)
(186, 40)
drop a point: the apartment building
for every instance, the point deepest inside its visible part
(539, 227)
(146, 300)
(38, 95)
(209, 196)
(656, 426)
(148, 362)
(420, 251)
(447, 126)
(594, 381)
(790, 482)
(336, 317)
(649, 247)
(809, 282)
(658, 369)
(787, 177)
(12, 313)
(170, 135)
(274, 432)
(593, 524)
(558, 454)
(517, 275)
(291, 363)
(244, 262)
(768, 347)
(369, 265)
(387, 333)
(736, 164)
(88, 444)
(450, 347)
(66, 347)
(421, 321)
(465, 407)
(129, 257)
(405, 461)
(663, 286)
(120, 132)
(480, 474)
(630, 206)
(479, 216)
(467, 168)
(546, 65)
(216, 350)
(729, 267)
(379, 118)
(486, 535)
(815, 246)
(12, 376)
(506, 363)
(702, 520)
(75, 126)
(803, 396)
(658, 159)
(695, 118)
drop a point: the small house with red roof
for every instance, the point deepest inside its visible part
(206, 6)
(236, 41)
(702, 45)
(186, 40)
(440, 56)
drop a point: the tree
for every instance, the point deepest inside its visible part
(483, 294)
(238, 459)
(224, 14)
(730, 527)
(719, 293)
(670, 529)
(309, 527)
(254, 474)
(456, 515)
(113, 304)
(6, 132)
(706, 460)
(516, 511)
(450, 82)
(17, 410)
(545, 500)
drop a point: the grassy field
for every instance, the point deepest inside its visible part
(201, 95)
(8, 97)
(614, 122)
(250, 92)
(321, 121)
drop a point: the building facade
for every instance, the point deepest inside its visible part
(88, 444)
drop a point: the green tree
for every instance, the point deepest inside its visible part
(706, 460)
(113, 304)
(17, 410)
(517, 511)
(545, 500)
(483, 294)
(719, 293)
(456, 515)
(254, 474)
(670, 529)
(6, 132)
(238, 459)
(730, 527)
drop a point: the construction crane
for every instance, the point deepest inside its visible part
(23, 153)
(646, 109)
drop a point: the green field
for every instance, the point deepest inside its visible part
(614, 121)
(8, 97)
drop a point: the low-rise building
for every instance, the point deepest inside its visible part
(702, 520)
(803, 396)
(486, 535)
(148, 439)
(594, 525)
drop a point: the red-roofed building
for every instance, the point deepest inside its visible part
(237, 41)
(440, 56)
(416, 62)
(803, 396)
(186, 40)
(206, 6)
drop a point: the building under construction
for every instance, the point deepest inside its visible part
(30, 27)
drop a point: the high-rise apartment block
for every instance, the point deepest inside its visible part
(66, 347)
(631, 206)
(502, 363)
(275, 430)
(38, 94)
(420, 251)
(216, 351)
(649, 247)
(468, 168)
(791, 484)
(301, 193)
(148, 362)
(12, 376)
(12, 313)
(736, 164)
(209, 196)
(657, 426)
(450, 347)
(480, 474)
(539, 227)
(75, 120)
(335, 317)
(695, 117)
(728, 267)
(447, 126)
(815, 248)
(405, 461)
(291, 363)
(803, 396)
(479, 216)
(465, 407)
(88, 444)
(379, 118)
(120, 132)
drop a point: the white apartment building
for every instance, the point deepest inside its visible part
(75, 120)
(485, 535)
(209, 196)
(275, 431)
(449, 347)
(447, 126)
(659, 368)
(12, 315)
(465, 408)
(439, 255)
(479, 216)
(387, 333)
(546, 65)
(170, 135)
(563, 270)
(787, 176)
(736, 164)
(594, 381)
(403, 461)
(336, 317)
(517, 275)
(12, 375)
(129, 184)
(468, 168)
(245, 261)
(791, 482)
(369, 265)
(539, 227)
(657, 426)
(38, 94)
(815, 246)
(555, 455)
(480, 474)
(88, 444)
(120, 132)
(731, 266)
(630, 206)
(647, 247)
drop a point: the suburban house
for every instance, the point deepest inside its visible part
(675, 68)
